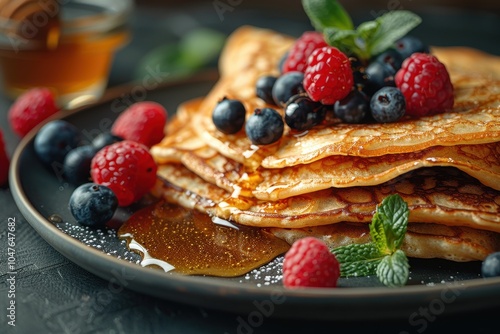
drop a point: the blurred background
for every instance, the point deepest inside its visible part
(183, 37)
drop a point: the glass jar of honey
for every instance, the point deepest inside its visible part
(65, 45)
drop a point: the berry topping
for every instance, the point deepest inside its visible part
(302, 113)
(104, 139)
(426, 85)
(490, 267)
(264, 88)
(76, 166)
(92, 204)
(408, 45)
(125, 167)
(390, 57)
(4, 162)
(229, 116)
(302, 49)
(378, 74)
(54, 140)
(265, 126)
(142, 122)
(388, 105)
(30, 109)
(353, 108)
(309, 263)
(286, 86)
(328, 76)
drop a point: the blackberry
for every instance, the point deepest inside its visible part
(353, 108)
(302, 113)
(264, 127)
(387, 105)
(92, 204)
(264, 88)
(286, 86)
(229, 116)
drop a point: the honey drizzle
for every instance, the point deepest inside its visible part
(195, 244)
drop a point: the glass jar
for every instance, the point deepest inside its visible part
(67, 45)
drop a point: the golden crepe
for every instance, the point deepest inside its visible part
(327, 181)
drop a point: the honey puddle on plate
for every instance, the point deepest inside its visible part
(189, 242)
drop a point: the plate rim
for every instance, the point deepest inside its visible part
(216, 288)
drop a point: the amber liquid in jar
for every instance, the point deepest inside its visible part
(78, 65)
(195, 244)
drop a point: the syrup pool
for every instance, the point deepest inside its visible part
(190, 242)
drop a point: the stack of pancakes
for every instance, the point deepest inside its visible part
(326, 182)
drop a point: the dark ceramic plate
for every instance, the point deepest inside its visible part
(42, 198)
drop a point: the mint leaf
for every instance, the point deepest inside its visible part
(394, 213)
(382, 255)
(393, 270)
(327, 13)
(358, 259)
(392, 26)
(378, 233)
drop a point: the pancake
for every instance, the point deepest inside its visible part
(481, 161)
(475, 117)
(327, 182)
(434, 195)
(454, 243)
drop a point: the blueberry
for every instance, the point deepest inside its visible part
(353, 108)
(104, 139)
(379, 74)
(286, 86)
(302, 113)
(265, 126)
(264, 88)
(92, 204)
(408, 45)
(54, 140)
(391, 57)
(491, 265)
(76, 166)
(388, 105)
(229, 116)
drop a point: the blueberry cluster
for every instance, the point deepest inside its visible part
(58, 145)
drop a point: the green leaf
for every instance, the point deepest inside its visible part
(358, 259)
(395, 212)
(393, 270)
(344, 40)
(327, 13)
(378, 233)
(392, 26)
(200, 46)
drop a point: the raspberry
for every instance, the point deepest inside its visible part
(309, 263)
(301, 50)
(426, 85)
(142, 122)
(4, 162)
(125, 167)
(328, 76)
(30, 109)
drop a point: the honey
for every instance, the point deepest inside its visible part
(72, 67)
(67, 47)
(194, 243)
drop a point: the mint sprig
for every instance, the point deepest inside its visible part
(382, 256)
(369, 38)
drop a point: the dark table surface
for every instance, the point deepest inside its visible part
(50, 289)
